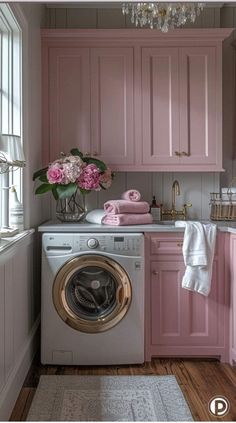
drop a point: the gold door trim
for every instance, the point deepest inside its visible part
(123, 293)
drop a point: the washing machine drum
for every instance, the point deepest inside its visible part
(92, 293)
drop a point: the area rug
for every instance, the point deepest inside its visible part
(109, 398)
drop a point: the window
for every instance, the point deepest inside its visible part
(10, 96)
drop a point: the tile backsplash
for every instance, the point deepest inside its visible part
(195, 188)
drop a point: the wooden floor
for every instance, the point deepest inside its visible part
(200, 380)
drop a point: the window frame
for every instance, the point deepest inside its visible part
(11, 116)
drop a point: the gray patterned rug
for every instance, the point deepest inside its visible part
(109, 398)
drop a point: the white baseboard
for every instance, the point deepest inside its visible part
(11, 390)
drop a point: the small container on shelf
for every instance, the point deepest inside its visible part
(155, 210)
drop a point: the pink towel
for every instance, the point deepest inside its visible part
(131, 195)
(124, 206)
(127, 219)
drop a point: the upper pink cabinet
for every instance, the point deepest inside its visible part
(138, 99)
(181, 119)
(112, 105)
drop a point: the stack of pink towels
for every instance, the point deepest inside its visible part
(127, 211)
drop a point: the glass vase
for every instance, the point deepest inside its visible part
(71, 209)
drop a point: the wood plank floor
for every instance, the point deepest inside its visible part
(200, 380)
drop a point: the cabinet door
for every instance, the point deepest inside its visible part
(198, 106)
(160, 108)
(112, 105)
(167, 303)
(69, 100)
(181, 317)
(233, 300)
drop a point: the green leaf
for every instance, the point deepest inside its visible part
(43, 178)
(43, 188)
(54, 192)
(84, 191)
(39, 173)
(101, 165)
(76, 152)
(65, 191)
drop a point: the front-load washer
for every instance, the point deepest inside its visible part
(92, 298)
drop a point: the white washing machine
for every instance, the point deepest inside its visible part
(92, 298)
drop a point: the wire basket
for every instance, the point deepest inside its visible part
(223, 205)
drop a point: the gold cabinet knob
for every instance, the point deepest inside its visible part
(155, 272)
(185, 154)
(177, 153)
(179, 244)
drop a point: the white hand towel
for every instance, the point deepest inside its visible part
(198, 252)
(95, 216)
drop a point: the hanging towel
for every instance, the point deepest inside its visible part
(198, 252)
(95, 216)
(131, 195)
(125, 206)
(127, 219)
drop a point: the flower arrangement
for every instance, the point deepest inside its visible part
(73, 172)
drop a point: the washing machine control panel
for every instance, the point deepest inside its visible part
(115, 243)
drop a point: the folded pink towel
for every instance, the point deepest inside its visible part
(131, 195)
(127, 219)
(125, 206)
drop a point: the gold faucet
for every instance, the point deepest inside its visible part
(173, 213)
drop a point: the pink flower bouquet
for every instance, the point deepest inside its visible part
(73, 172)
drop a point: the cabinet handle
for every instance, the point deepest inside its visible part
(95, 153)
(177, 153)
(155, 272)
(179, 244)
(185, 154)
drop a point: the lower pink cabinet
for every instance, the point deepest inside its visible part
(232, 346)
(180, 322)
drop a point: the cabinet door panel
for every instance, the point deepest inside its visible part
(160, 114)
(166, 303)
(202, 318)
(198, 119)
(69, 100)
(112, 109)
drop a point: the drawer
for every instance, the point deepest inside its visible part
(163, 245)
(173, 245)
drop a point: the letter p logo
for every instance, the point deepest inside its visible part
(219, 406)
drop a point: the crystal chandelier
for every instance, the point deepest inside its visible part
(163, 16)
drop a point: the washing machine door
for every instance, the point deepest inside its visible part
(92, 293)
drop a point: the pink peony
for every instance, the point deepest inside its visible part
(90, 178)
(55, 174)
(106, 178)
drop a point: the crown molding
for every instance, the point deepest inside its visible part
(116, 4)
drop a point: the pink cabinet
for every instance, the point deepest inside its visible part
(136, 99)
(160, 106)
(89, 102)
(112, 105)
(232, 346)
(181, 113)
(180, 322)
(66, 107)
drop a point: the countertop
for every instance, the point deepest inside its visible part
(83, 227)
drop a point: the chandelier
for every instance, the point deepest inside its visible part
(163, 16)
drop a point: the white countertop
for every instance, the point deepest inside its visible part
(83, 227)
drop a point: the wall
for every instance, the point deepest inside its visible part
(195, 187)
(20, 264)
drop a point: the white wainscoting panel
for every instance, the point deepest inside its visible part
(17, 326)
